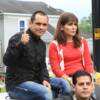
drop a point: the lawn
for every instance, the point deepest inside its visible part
(2, 87)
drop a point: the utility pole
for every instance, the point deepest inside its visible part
(96, 33)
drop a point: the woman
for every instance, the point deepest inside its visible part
(69, 52)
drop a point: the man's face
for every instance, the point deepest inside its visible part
(83, 87)
(39, 25)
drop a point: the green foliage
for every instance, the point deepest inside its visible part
(85, 25)
(2, 90)
(2, 86)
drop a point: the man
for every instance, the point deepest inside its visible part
(26, 74)
(82, 86)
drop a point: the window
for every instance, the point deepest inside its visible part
(22, 25)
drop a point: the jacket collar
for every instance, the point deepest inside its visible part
(35, 37)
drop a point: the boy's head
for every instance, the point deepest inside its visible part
(83, 85)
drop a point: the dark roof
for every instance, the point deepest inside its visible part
(26, 7)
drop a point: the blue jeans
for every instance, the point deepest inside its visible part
(63, 85)
(30, 91)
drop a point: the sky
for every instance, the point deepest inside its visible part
(81, 8)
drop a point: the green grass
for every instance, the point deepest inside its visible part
(2, 88)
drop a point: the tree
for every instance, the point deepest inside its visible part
(85, 26)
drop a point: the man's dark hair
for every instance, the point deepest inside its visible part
(37, 12)
(79, 74)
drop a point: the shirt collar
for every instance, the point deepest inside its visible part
(75, 98)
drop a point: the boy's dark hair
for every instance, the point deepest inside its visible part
(37, 12)
(79, 74)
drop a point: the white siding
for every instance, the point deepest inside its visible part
(1, 39)
(53, 20)
(11, 27)
(0, 54)
(11, 22)
(1, 27)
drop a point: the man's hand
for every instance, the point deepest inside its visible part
(25, 38)
(47, 84)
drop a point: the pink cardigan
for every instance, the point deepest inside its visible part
(72, 58)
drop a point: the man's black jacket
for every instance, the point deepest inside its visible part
(25, 62)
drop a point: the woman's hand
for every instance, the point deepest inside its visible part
(47, 84)
(69, 79)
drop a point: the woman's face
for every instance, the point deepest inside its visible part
(70, 28)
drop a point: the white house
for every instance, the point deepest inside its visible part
(14, 17)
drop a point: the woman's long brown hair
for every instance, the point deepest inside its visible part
(60, 36)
